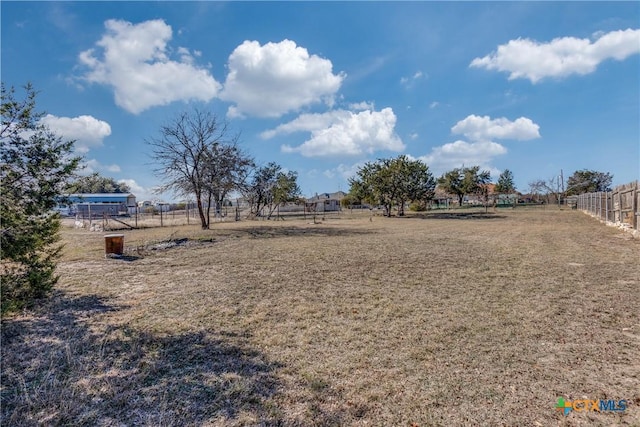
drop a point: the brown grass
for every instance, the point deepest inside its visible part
(445, 319)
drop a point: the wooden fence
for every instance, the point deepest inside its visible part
(619, 206)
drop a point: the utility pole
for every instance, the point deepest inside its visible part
(561, 185)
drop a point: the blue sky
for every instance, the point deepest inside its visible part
(322, 87)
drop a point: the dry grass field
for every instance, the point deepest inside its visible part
(445, 319)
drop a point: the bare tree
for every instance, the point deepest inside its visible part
(197, 155)
(258, 192)
(550, 188)
(227, 169)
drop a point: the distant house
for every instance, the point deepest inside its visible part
(507, 199)
(325, 202)
(442, 199)
(487, 192)
(98, 204)
(161, 206)
(155, 205)
(572, 201)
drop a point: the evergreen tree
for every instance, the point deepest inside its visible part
(505, 183)
(34, 167)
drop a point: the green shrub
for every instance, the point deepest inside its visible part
(418, 207)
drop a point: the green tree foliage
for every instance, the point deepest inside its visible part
(505, 183)
(393, 182)
(418, 206)
(95, 183)
(464, 181)
(285, 190)
(197, 155)
(451, 182)
(348, 201)
(35, 165)
(588, 181)
(271, 187)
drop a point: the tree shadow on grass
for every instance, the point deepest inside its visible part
(460, 215)
(59, 370)
(263, 232)
(258, 232)
(69, 363)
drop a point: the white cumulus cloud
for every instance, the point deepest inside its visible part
(92, 165)
(458, 153)
(480, 128)
(87, 131)
(138, 190)
(480, 150)
(134, 60)
(343, 133)
(362, 106)
(308, 123)
(561, 57)
(344, 171)
(276, 78)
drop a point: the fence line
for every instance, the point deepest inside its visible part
(619, 207)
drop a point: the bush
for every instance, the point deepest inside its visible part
(418, 207)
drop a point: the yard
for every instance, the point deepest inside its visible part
(443, 319)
